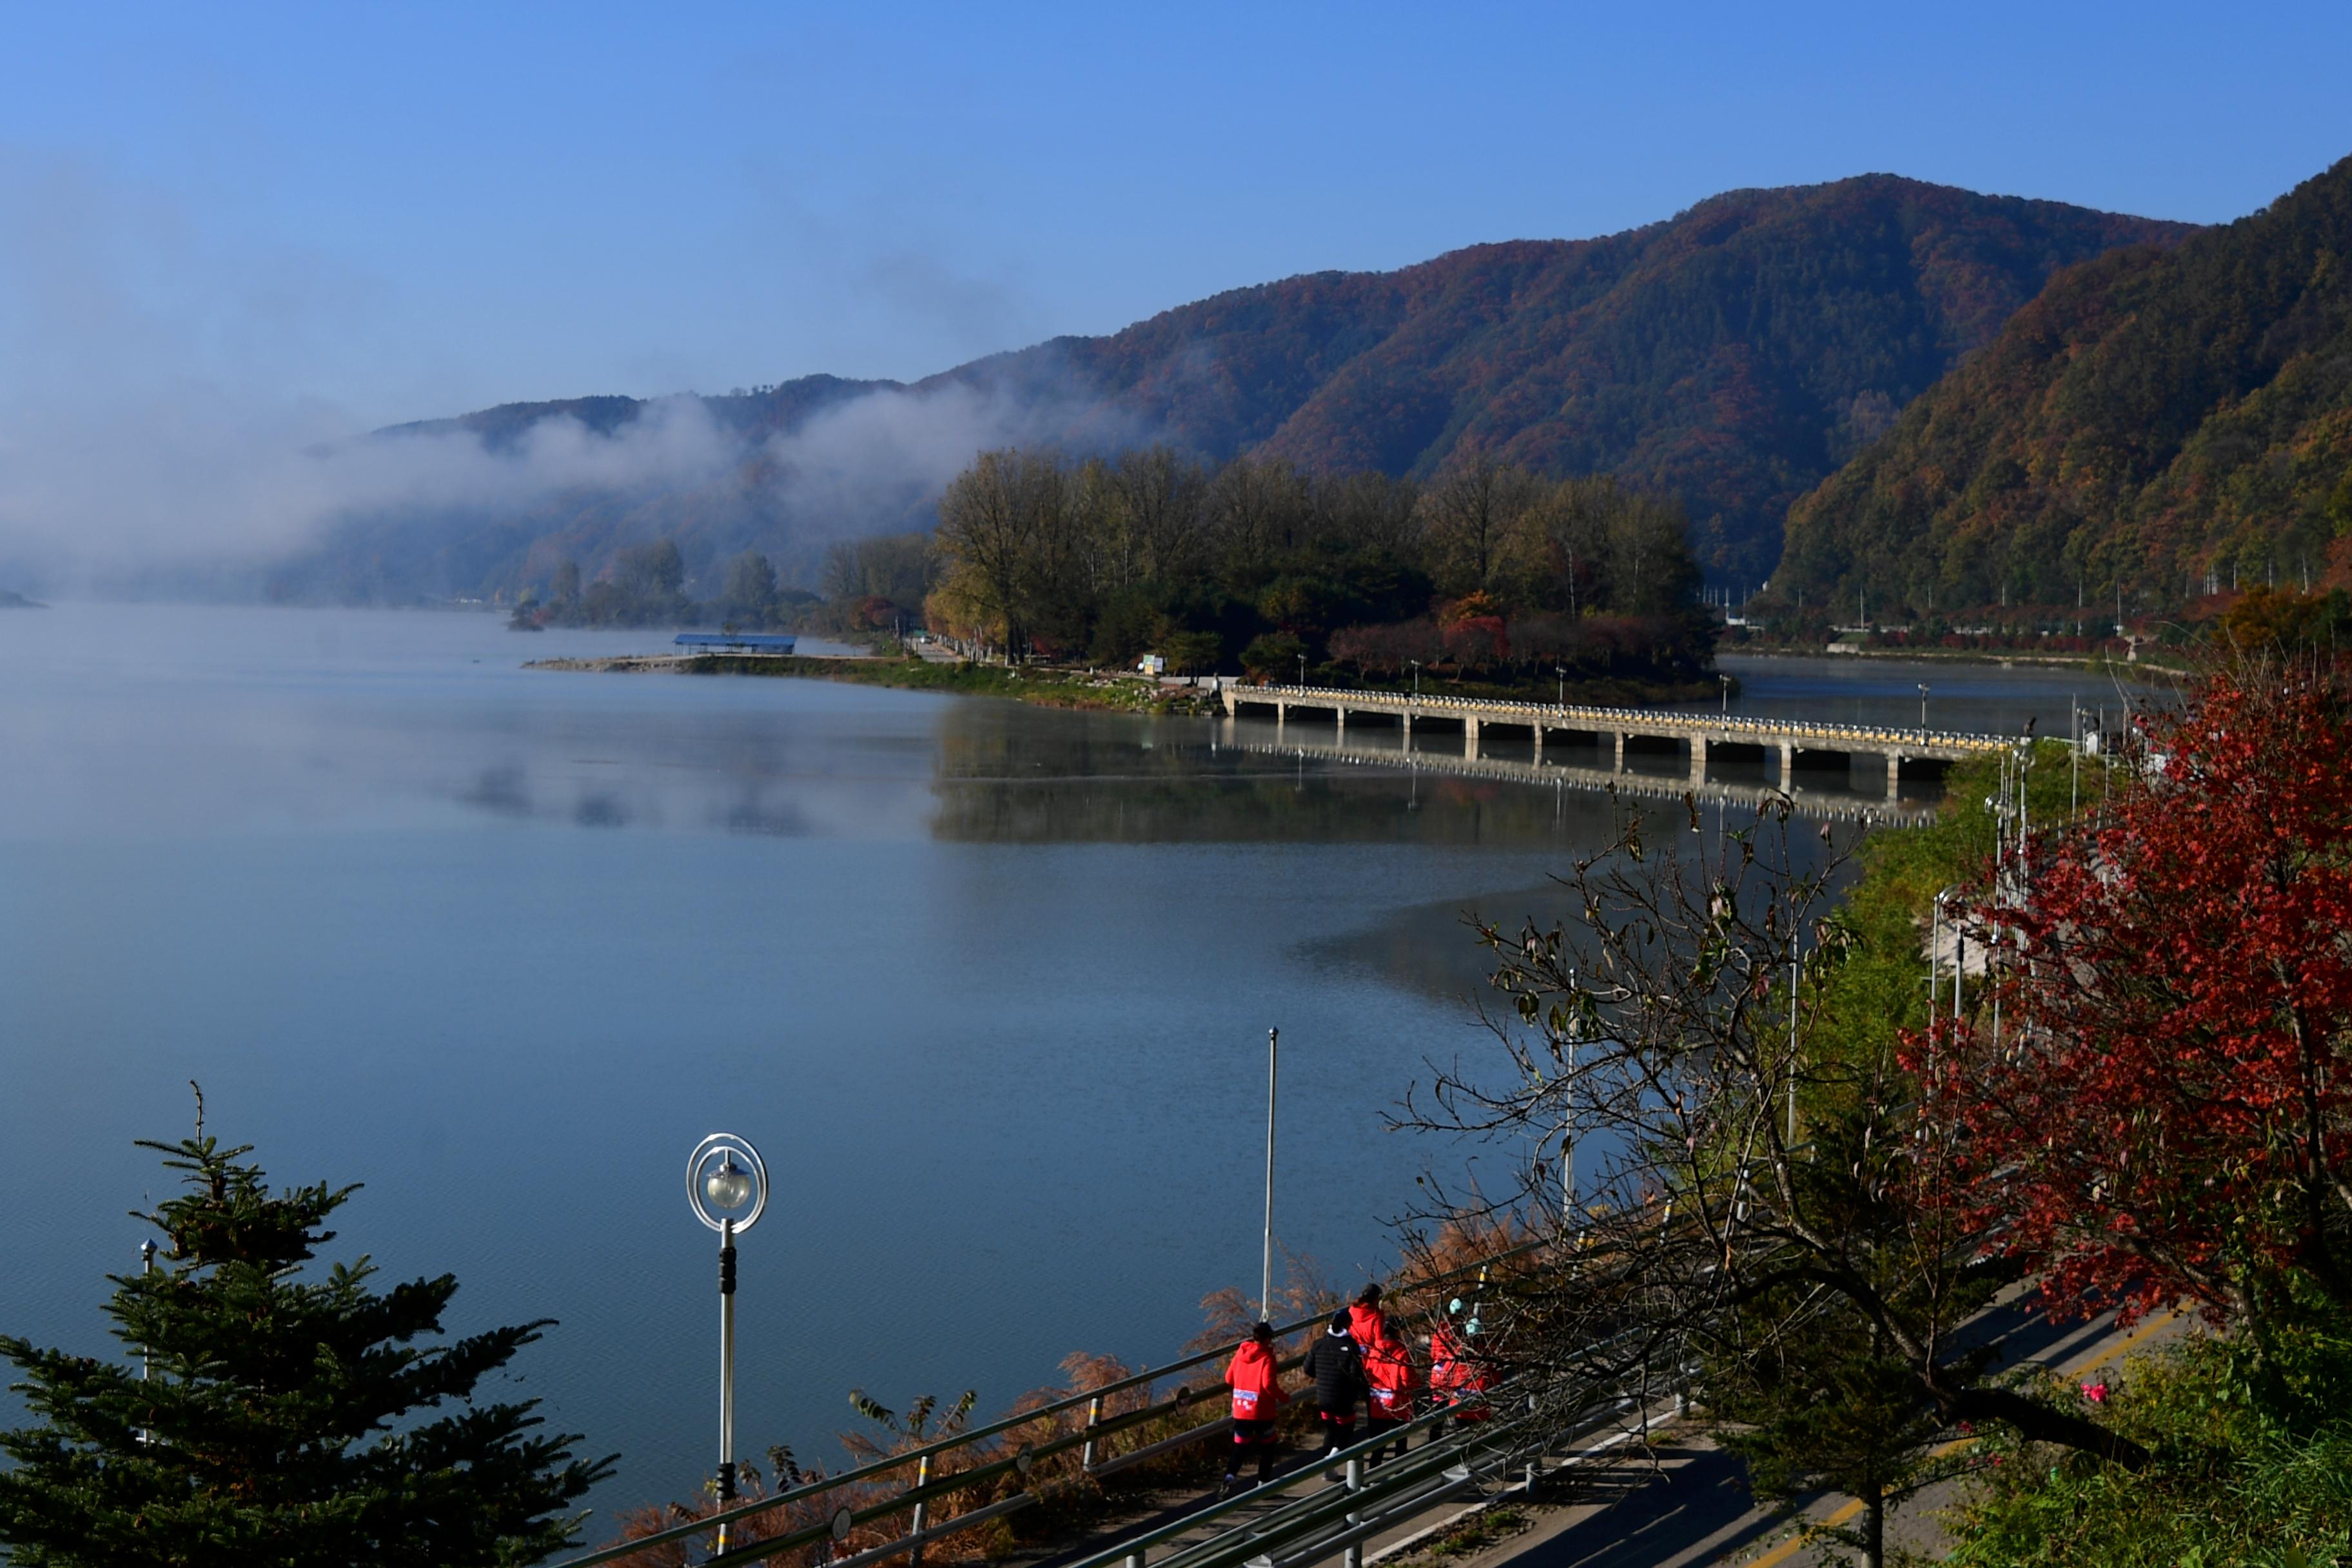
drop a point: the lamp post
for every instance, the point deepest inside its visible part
(1302, 670)
(1266, 1260)
(1923, 705)
(717, 1186)
(1416, 674)
(1726, 681)
(1557, 670)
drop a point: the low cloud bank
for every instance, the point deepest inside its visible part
(148, 442)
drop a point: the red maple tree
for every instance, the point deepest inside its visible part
(2165, 1112)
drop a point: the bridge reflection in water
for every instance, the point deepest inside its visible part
(1839, 804)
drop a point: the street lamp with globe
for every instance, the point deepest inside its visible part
(727, 1186)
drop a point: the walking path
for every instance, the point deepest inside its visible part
(1690, 1509)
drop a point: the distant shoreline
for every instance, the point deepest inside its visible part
(1042, 686)
(2095, 663)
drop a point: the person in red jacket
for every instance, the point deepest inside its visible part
(1387, 1368)
(1457, 1371)
(1255, 1376)
(1364, 1320)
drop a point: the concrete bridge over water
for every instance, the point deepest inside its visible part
(1694, 735)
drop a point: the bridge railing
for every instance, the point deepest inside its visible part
(855, 1510)
(1524, 1417)
(1634, 717)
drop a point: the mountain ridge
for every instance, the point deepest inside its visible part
(1731, 356)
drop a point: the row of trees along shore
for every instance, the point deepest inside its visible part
(1488, 574)
(647, 588)
(1488, 577)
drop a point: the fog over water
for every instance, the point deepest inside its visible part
(988, 984)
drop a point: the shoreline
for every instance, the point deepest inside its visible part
(1040, 685)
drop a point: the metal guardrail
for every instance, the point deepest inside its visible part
(1656, 720)
(925, 1491)
(1316, 1518)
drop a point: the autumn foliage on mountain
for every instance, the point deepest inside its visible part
(2164, 1110)
(2173, 421)
(1725, 359)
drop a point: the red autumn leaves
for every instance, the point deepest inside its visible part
(2166, 1112)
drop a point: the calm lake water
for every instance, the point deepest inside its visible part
(988, 984)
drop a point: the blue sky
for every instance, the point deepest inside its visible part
(392, 212)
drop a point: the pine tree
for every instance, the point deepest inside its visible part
(288, 1420)
(1821, 1405)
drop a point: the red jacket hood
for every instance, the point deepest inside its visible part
(1254, 1366)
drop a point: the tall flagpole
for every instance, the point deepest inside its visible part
(1266, 1266)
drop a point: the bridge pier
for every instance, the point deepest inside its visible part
(1470, 739)
(1539, 730)
(1788, 767)
(1341, 731)
(1408, 729)
(1699, 759)
(1893, 776)
(1617, 751)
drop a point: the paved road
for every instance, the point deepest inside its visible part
(1691, 1510)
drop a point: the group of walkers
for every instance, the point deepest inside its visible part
(1357, 1363)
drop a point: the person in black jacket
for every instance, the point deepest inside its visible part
(1337, 1366)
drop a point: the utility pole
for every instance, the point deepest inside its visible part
(146, 1352)
(1265, 1262)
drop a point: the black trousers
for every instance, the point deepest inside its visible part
(1375, 1426)
(1253, 1436)
(1339, 1431)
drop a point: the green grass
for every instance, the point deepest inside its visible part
(1475, 1534)
(1043, 685)
(1052, 686)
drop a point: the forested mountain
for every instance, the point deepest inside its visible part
(1729, 357)
(2162, 420)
